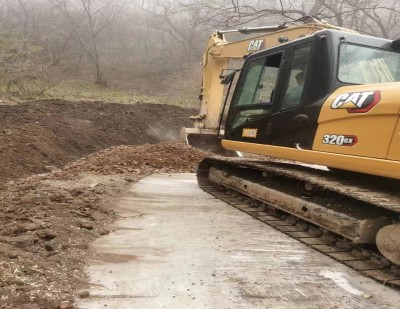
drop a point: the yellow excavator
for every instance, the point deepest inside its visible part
(322, 104)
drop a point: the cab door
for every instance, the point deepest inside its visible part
(249, 116)
(295, 118)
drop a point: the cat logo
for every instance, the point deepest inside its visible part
(255, 45)
(357, 102)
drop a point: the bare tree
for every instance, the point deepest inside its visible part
(374, 17)
(377, 18)
(180, 22)
(93, 16)
(134, 41)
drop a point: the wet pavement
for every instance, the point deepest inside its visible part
(176, 246)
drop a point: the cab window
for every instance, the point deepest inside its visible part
(367, 65)
(259, 81)
(253, 100)
(297, 72)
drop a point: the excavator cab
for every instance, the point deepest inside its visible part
(304, 93)
(280, 91)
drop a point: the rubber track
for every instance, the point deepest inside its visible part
(364, 265)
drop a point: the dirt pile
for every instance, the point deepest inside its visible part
(165, 157)
(38, 136)
(48, 221)
(45, 230)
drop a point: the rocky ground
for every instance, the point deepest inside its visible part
(47, 221)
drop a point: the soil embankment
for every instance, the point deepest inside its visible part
(38, 136)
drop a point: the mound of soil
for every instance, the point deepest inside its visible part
(149, 158)
(48, 221)
(36, 137)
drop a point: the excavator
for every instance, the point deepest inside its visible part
(317, 107)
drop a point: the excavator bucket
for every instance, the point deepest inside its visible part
(206, 140)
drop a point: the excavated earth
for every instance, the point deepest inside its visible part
(36, 137)
(62, 167)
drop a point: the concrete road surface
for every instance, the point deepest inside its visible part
(178, 247)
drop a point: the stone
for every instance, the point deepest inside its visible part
(29, 306)
(20, 241)
(46, 234)
(85, 224)
(14, 281)
(57, 198)
(50, 168)
(98, 216)
(66, 305)
(18, 229)
(5, 293)
(9, 251)
(49, 247)
(82, 246)
(76, 192)
(31, 226)
(26, 270)
(104, 232)
(84, 294)
(24, 288)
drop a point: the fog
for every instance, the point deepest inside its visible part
(149, 47)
